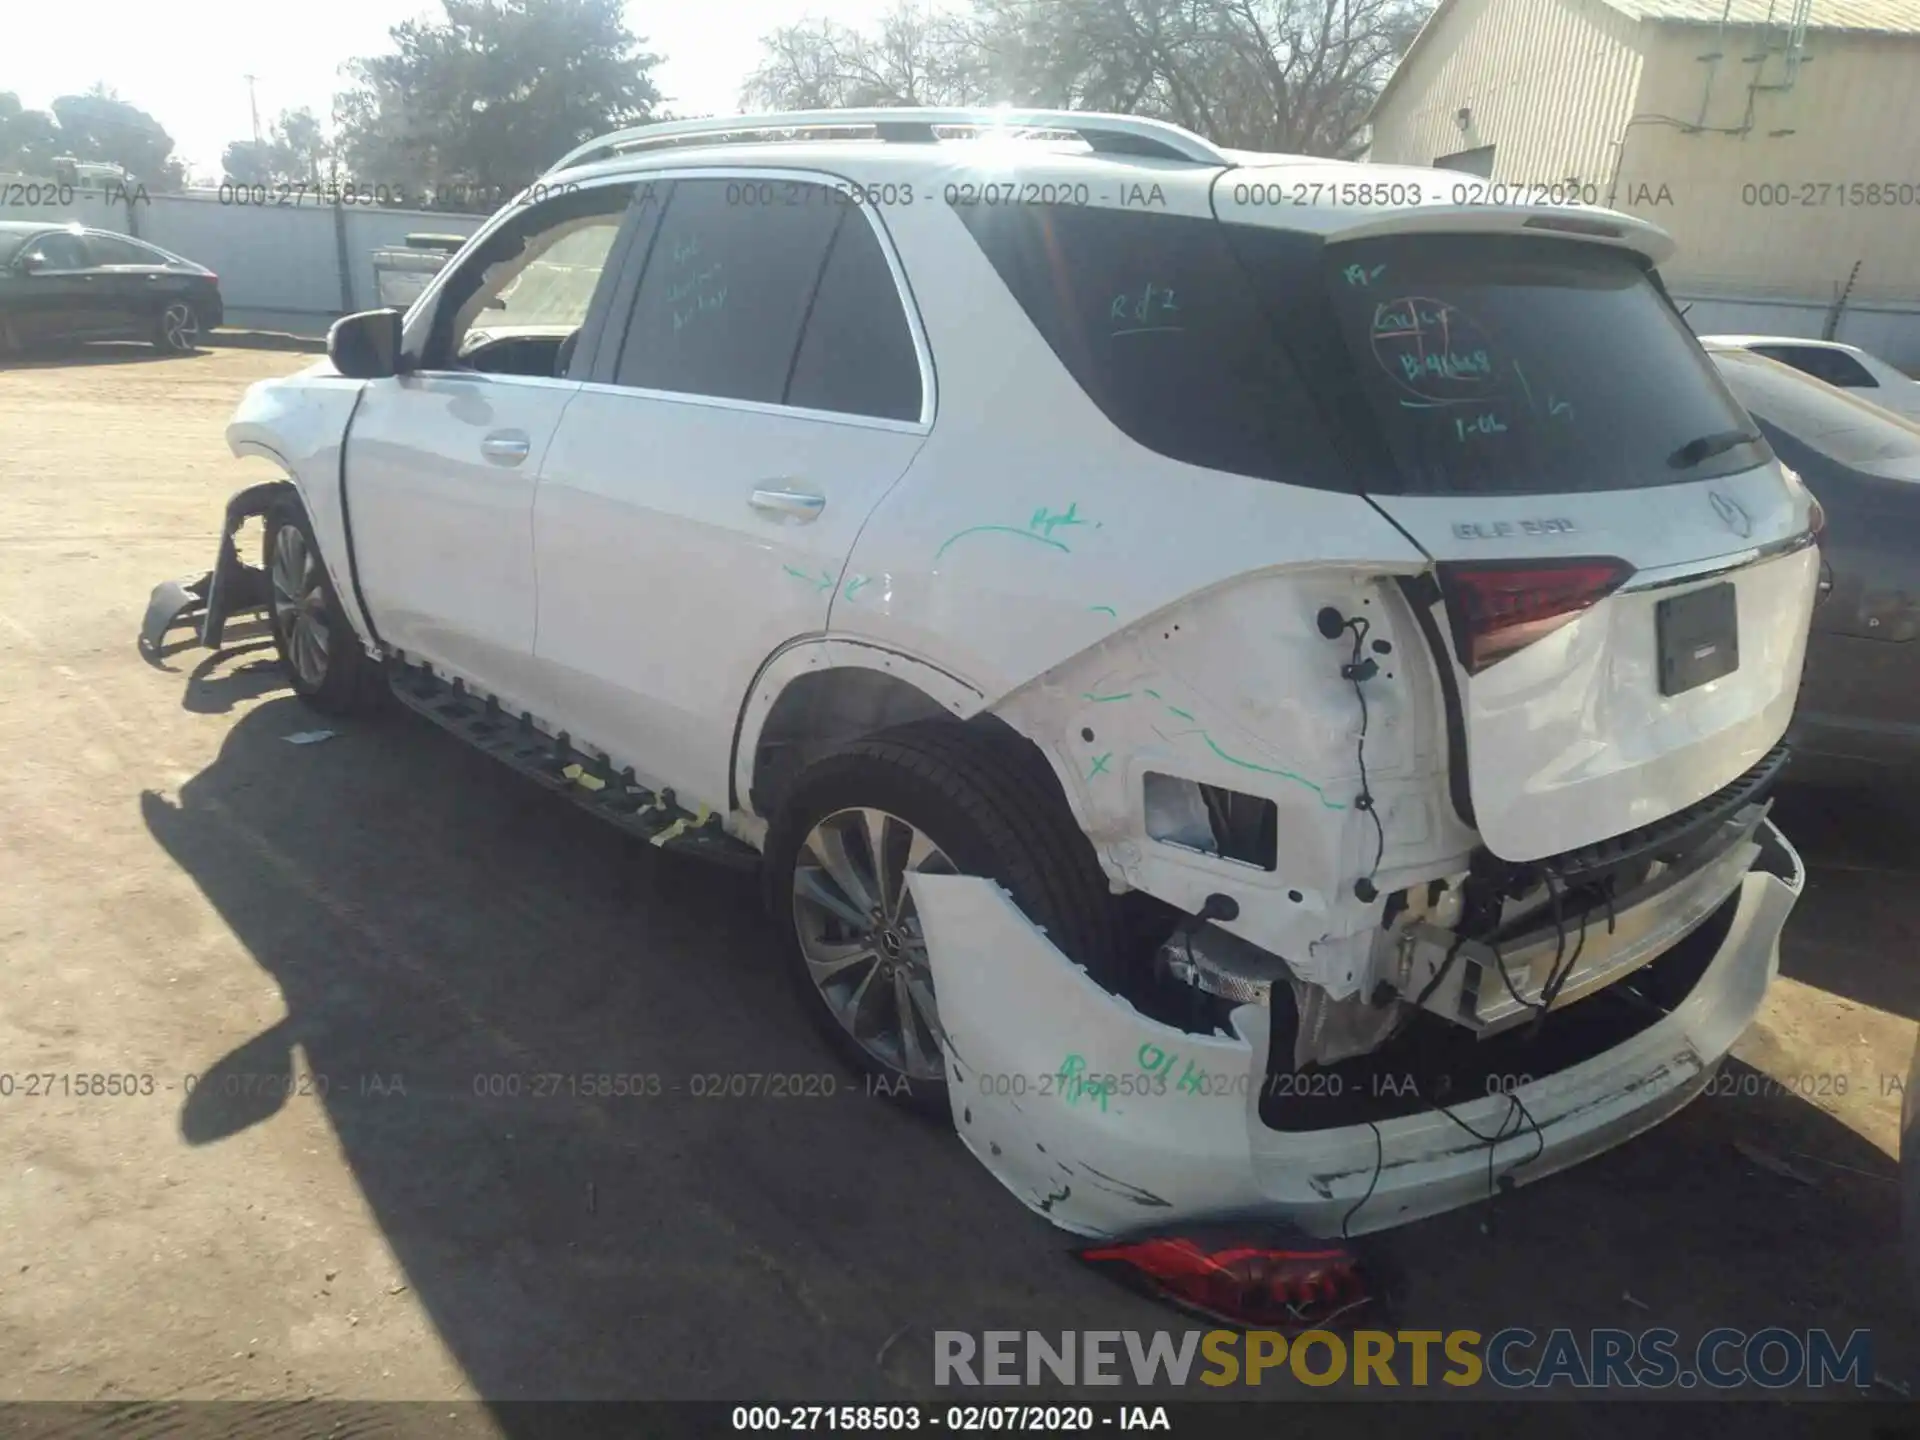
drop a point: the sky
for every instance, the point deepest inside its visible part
(187, 65)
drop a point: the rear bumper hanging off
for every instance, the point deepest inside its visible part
(1106, 1121)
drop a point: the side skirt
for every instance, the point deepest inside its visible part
(587, 779)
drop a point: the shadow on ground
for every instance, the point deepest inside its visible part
(109, 352)
(1862, 848)
(462, 959)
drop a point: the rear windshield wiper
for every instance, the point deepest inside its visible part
(1708, 446)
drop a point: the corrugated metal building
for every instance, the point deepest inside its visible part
(1778, 143)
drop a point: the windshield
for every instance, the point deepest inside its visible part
(1498, 364)
(1840, 426)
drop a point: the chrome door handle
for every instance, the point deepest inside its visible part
(506, 447)
(797, 503)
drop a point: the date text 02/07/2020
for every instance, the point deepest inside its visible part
(1041, 1419)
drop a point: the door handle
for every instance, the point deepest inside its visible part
(505, 447)
(796, 503)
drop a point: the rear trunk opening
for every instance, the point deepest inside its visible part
(1624, 571)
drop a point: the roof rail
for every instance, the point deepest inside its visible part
(1106, 134)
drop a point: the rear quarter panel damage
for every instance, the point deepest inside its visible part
(1090, 1158)
(300, 424)
(1237, 688)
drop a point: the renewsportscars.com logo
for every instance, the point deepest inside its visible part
(1514, 1359)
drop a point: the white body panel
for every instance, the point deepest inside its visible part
(1149, 1155)
(1569, 740)
(299, 423)
(664, 586)
(1019, 556)
(443, 528)
(1030, 528)
(1897, 391)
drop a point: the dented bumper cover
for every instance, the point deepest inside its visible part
(1107, 1121)
(231, 588)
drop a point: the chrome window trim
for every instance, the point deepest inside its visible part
(761, 407)
(902, 286)
(491, 377)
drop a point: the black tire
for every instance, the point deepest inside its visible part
(172, 337)
(348, 681)
(990, 802)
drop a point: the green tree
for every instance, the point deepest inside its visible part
(492, 95)
(101, 126)
(296, 150)
(29, 139)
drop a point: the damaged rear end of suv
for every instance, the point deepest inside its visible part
(1449, 780)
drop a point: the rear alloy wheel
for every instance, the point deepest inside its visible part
(929, 798)
(860, 936)
(177, 330)
(324, 659)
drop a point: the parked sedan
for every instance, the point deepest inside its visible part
(1846, 366)
(1860, 693)
(67, 282)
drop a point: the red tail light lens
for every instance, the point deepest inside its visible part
(1498, 609)
(1258, 1279)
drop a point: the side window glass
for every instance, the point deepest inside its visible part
(857, 354)
(732, 270)
(1836, 367)
(517, 304)
(1846, 371)
(110, 250)
(1154, 316)
(61, 252)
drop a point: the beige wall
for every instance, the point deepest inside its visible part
(1855, 110)
(1549, 82)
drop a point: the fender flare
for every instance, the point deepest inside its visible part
(810, 654)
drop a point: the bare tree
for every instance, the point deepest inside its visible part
(920, 56)
(1280, 75)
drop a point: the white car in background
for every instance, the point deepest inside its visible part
(1846, 366)
(1183, 635)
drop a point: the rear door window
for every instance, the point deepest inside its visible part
(726, 288)
(112, 250)
(856, 355)
(1495, 364)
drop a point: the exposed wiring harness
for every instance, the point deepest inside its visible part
(1359, 669)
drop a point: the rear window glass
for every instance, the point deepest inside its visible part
(1496, 364)
(1408, 364)
(1837, 425)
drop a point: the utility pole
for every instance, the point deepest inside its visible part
(253, 105)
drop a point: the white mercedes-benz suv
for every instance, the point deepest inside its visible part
(1253, 681)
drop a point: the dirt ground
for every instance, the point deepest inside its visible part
(389, 919)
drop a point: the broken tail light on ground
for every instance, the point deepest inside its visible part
(1497, 609)
(1259, 1276)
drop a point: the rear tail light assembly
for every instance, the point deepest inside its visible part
(1256, 1276)
(1497, 609)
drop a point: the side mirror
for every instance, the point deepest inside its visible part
(30, 264)
(366, 346)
